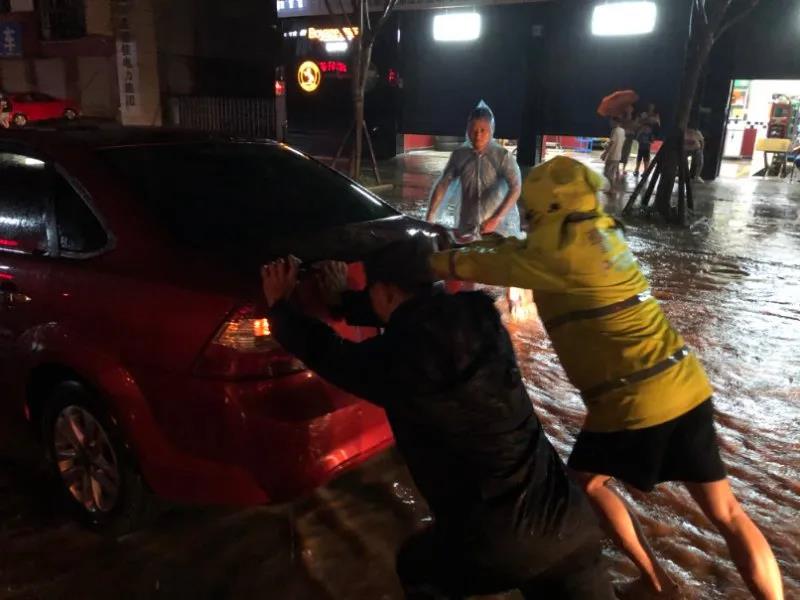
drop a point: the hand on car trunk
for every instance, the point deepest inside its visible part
(279, 278)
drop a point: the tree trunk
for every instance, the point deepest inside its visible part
(362, 61)
(699, 49)
(701, 41)
(362, 71)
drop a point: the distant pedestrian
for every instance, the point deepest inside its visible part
(649, 123)
(613, 152)
(694, 144)
(630, 124)
(5, 112)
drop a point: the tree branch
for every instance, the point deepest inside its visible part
(734, 20)
(366, 15)
(387, 10)
(700, 7)
(344, 14)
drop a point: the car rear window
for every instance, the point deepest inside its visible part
(213, 194)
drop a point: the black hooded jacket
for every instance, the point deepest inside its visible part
(445, 372)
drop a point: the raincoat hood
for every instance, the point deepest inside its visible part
(481, 111)
(556, 190)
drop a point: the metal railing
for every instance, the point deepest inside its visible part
(246, 117)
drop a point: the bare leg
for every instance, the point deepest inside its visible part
(749, 549)
(618, 520)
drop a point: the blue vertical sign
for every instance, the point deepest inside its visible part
(10, 39)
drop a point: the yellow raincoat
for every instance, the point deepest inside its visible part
(615, 343)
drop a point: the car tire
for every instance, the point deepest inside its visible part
(95, 473)
(70, 114)
(20, 120)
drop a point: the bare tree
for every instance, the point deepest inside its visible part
(710, 19)
(362, 57)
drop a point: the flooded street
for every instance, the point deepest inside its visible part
(730, 284)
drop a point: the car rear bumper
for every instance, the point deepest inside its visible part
(244, 443)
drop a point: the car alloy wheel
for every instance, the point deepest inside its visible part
(70, 114)
(86, 460)
(20, 120)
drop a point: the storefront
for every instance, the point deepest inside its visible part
(752, 87)
(317, 57)
(759, 110)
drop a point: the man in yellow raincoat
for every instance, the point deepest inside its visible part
(649, 411)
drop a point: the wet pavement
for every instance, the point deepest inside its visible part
(730, 283)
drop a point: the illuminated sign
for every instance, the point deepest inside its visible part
(333, 66)
(333, 34)
(290, 5)
(309, 76)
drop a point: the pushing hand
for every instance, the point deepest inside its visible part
(279, 278)
(489, 225)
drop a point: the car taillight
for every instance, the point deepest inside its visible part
(244, 347)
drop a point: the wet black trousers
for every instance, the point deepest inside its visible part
(431, 569)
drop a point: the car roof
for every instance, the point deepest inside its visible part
(111, 135)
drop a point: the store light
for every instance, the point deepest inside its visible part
(624, 18)
(457, 27)
(336, 47)
(331, 34)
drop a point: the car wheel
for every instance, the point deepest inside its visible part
(20, 120)
(70, 114)
(95, 474)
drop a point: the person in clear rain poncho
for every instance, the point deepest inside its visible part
(485, 181)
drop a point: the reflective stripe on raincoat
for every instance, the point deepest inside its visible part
(612, 338)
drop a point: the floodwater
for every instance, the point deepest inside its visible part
(730, 284)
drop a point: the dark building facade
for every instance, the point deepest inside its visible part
(540, 68)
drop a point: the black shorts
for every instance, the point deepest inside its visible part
(683, 449)
(644, 152)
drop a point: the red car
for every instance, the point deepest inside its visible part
(132, 335)
(35, 106)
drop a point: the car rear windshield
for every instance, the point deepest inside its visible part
(213, 194)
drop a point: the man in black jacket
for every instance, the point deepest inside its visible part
(506, 514)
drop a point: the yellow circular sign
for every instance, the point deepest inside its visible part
(309, 76)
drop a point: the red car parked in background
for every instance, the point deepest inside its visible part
(34, 106)
(131, 330)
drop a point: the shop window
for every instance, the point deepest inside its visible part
(62, 19)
